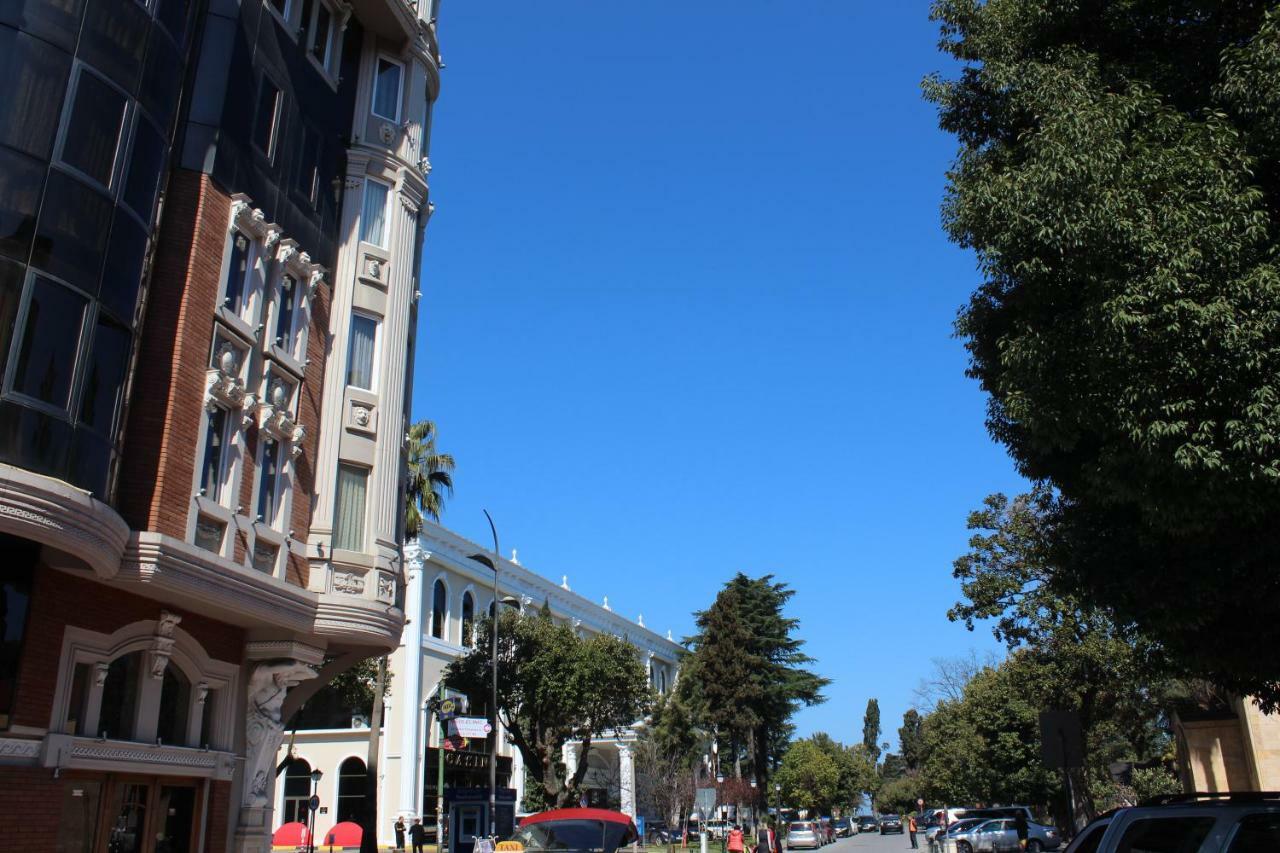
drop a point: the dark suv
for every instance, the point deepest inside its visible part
(1188, 823)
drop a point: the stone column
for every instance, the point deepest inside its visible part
(410, 746)
(627, 779)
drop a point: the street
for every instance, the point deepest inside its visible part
(876, 842)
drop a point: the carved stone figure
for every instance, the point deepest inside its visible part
(264, 726)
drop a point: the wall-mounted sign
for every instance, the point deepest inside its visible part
(469, 727)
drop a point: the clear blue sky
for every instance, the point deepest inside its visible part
(687, 312)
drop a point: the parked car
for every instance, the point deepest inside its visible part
(868, 823)
(828, 830)
(844, 827)
(951, 830)
(1204, 823)
(1001, 836)
(890, 823)
(803, 833)
(576, 831)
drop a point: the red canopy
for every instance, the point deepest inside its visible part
(345, 834)
(576, 814)
(291, 835)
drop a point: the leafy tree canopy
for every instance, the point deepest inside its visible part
(871, 729)
(430, 477)
(809, 776)
(554, 687)
(909, 739)
(1118, 178)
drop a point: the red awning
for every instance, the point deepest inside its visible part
(291, 835)
(345, 834)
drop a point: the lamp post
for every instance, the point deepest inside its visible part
(316, 775)
(492, 563)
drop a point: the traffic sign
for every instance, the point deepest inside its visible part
(314, 803)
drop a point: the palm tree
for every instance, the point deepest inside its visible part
(429, 478)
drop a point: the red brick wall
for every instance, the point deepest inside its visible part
(60, 599)
(215, 839)
(30, 809)
(164, 421)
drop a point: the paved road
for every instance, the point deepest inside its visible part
(867, 842)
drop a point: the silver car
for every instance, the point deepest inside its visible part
(803, 833)
(1001, 836)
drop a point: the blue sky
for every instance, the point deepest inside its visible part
(687, 312)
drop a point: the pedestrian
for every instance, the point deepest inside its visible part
(399, 828)
(736, 842)
(911, 830)
(1020, 827)
(418, 835)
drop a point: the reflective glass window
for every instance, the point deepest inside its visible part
(266, 118)
(120, 697)
(175, 707)
(90, 462)
(21, 179)
(114, 39)
(281, 6)
(1171, 834)
(122, 274)
(11, 276)
(144, 169)
(308, 165)
(321, 34)
(50, 341)
(107, 367)
(373, 214)
(215, 439)
(173, 15)
(35, 80)
(386, 90)
(56, 21)
(286, 306)
(161, 81)
(15, 598)
(94, 128)
(267, 480)
(364, 337)
(237, 271)
(72, 234)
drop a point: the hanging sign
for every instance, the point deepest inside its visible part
(469, 727)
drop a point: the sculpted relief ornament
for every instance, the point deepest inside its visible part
(264, 726)
(226, 387)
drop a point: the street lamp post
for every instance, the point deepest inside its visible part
(316, 775)
(492, 563)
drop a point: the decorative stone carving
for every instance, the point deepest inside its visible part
(640, 620)
(361, 416)
(373, 267)
(606, 603)
(202, 693)
(162, 643)
(386, 587)
(313, 281)
(288, 249)
(386, 133)
(424, 166)
(278, 421)
(564, 583)
(239, 207)
(226, 388)
(272, 238)
(352, 182)
(410, 206)
(348, 582)
(264, 724)
(100, 670)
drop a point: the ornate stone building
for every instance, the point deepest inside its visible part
(211, 223)
(447, 588)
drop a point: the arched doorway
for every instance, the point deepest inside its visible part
(297, 790)
(351, 788)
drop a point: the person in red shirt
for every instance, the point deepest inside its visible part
(736, 843)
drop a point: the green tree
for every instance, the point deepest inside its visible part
(856, 774)
(1118, 178)
(554, 688)
(909, 739)
(809, 777)
(871, 729)
(430, 477)
(899, 795)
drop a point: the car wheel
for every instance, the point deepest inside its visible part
(1034, 845)
(964, 847)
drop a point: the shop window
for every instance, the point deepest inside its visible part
(35, 80)
(373, 213)
(386, 89)
(94, 128)
(360, 357)
(468, 619)
(175, 707)
(215, 452)
(268, 481)
(21, 179)
(297, 791)
(351, 789)
(235, 287)
(267, 118)
(120, 691)
(100, 399)
(15, 601)
(349, 510)
(50, 343)
(439, 598)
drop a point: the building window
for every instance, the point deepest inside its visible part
(15, 602)
(46, 358)
(215, 452)
(308, 183)
(94, 128)
(235, 287)
(100, 399)
(351, 789)
(373, 214)
(286, 311)
(468, 618)
(386, 89)
(264, 557)
(321, 41)
(175, 707)
(269, 481)
(281, 8)
(145, 161)
(297, 791)
(209, 532)
(349, 511)
(267, 118)
(438, 598)
(120, 697)
(360, 357)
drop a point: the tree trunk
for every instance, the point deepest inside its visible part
(369, 817)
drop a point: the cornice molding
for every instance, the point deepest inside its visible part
(63, 517)
(76, 753)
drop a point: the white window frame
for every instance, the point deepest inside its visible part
(337, 501)
(294, 339)
(273, 144)
(278, 487)
(386, 215)
(333, 47)
(377, 346)
(285, 18)
(373, 91)
(123, 143)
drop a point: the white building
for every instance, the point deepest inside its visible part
(446, 590)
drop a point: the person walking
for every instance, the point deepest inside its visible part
(418, 835)
(399, 830)
(736, 841)
(912, 826)
(1020, 827)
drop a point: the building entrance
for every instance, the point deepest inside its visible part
(128, 814)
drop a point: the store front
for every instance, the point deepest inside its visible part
(121, 813)
(462, 769)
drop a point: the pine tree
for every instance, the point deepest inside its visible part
(871, 729)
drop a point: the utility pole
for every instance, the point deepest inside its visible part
(369, 821)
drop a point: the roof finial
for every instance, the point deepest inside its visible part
(669, 635)
(513, 557)
(640, 621)
(564, 582)
(606, 602)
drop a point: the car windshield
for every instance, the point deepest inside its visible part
(963, 825)
(800, 827)
(890, 817)
(588, 836)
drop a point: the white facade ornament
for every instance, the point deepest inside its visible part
(202, 693)
(100, 670)
(272, 237)
(386, 133)
(410, 206)
(162, 643)
(288, 249)
(361, 415)
(348, 582)
(386, 587)
(373, 268)
(640, 620)
(606, 603)
(424, 166)
(564, 583)
(669, 635)
(226, 388)
(278, 421)
(352, 182)
(264, 725)
(313, 281)
(239, 207)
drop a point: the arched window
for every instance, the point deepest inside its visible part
(120, 697)
(297, 790)
(437, 611)
(351, 787)
(662, 679)
(468, 618)
(175, 707)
